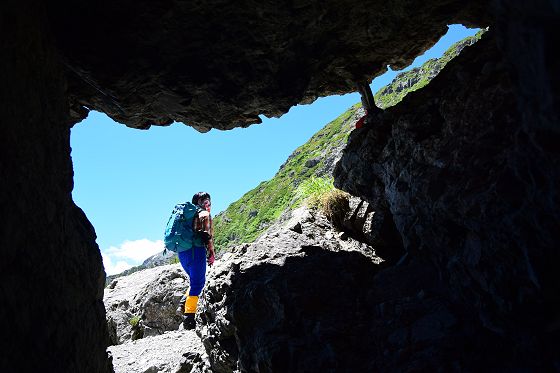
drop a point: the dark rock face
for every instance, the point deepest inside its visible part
(294, 301)
(313, 302)
(466, 169)
(309, 332)
(216, 64)
(375, 227)
(51, 286)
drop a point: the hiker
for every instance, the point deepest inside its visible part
(189, 233)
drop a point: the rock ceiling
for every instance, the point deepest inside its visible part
(221, 64)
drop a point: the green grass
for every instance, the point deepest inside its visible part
(419, 77)
(134, 320)
(313, 189)
(334, 204)
(245, 219)
(173, 260)
(319, 193)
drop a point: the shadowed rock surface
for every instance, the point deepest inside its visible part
(217, 64)
(473, 195)
(468, 166)
(277, 304)
(303, 298)
(51, 274)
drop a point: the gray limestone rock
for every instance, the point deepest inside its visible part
(158, 259)
(312, 162)
(143, 304)
(253, 213)
(172, 352)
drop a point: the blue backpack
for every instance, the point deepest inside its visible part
(179, 233)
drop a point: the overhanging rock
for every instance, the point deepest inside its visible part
(218, 64)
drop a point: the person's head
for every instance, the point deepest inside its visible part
(202, 199)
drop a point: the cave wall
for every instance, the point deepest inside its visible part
(468, 167)
(51, 286)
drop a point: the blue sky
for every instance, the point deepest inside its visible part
(127, 181)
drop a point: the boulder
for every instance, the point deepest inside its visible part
(277, 304)
(312, 162)
(143, 304)
(313, 299)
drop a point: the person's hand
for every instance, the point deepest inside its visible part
(211, 258)
(205, 236)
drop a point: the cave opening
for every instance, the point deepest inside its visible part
(128, 181)
(150, 156)
(488, 236)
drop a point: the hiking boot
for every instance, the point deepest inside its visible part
(188, 321)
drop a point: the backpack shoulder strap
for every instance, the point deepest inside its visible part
(196, 217)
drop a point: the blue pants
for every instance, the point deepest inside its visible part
(194, 263)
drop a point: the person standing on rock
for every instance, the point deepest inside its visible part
(194, 260)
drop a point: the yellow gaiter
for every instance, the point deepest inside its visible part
(190, 304)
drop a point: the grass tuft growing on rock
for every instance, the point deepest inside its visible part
(319, 193)
(313, 189)
(334, 205)
(134, 320)
(244, 220)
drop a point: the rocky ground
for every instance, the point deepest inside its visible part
(232, 300)
(175, 351)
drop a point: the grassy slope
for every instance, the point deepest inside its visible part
(245, 219)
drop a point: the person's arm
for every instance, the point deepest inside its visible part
(208, 228)
(210, 245)
(211, 231)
